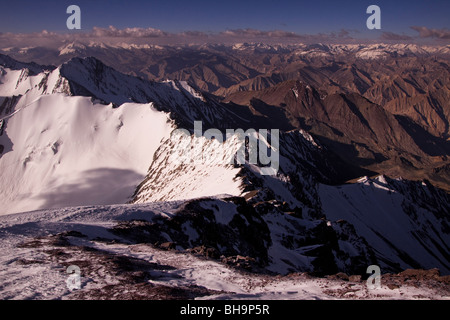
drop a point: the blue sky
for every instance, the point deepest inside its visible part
(305, 17)
(326, 20)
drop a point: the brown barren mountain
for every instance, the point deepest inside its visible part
(361, 132)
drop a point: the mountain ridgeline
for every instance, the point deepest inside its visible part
(406, 135)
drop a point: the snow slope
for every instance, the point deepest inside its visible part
(400, 220)
(64, 151)
(177, 174)
(63, 132)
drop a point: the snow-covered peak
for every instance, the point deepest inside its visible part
(34, 68)
(22, 81)
(72, 47)
(91, 78)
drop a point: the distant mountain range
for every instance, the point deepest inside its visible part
(408, 136)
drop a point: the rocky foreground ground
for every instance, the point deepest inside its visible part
(36, 269)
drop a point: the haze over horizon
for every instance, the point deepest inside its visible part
(201, 21)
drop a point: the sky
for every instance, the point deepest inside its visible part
(300, 17)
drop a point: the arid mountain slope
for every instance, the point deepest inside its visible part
(363, 133)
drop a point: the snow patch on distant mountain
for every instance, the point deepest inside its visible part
(72, 47)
